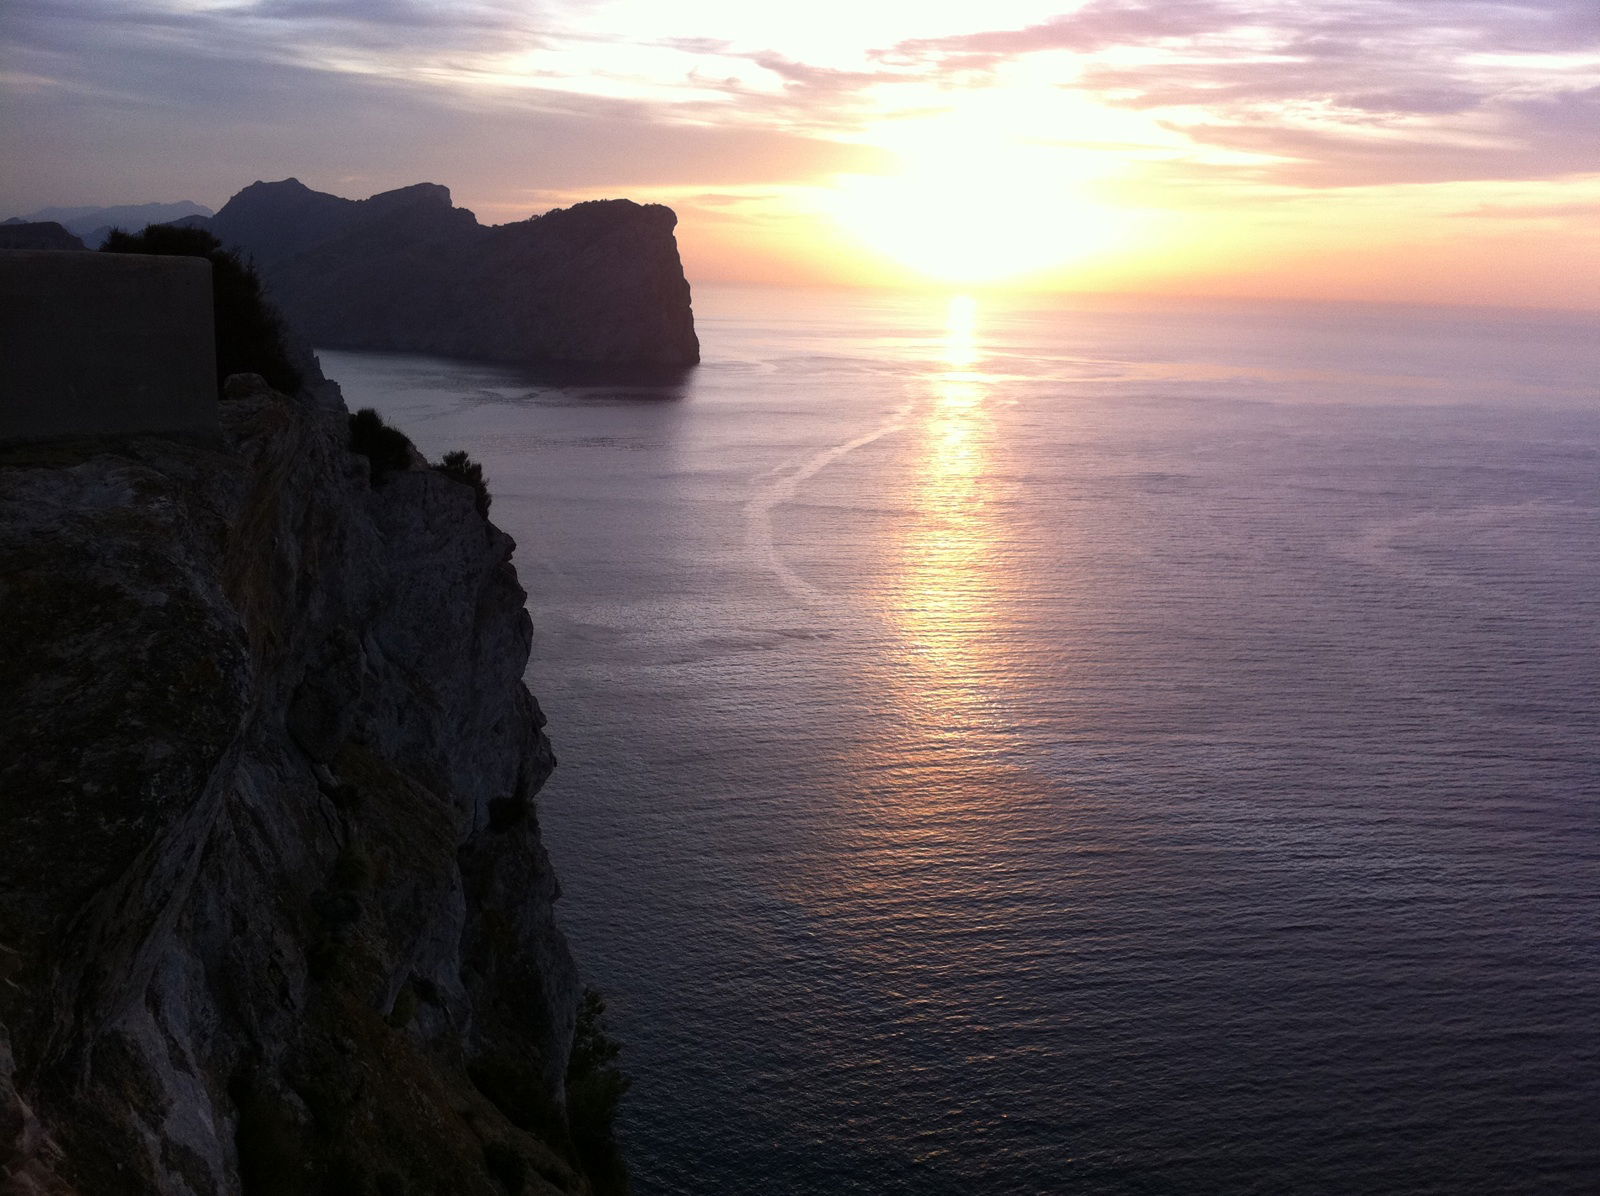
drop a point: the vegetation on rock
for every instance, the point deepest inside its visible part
(461, 468)
(387, 449)
(595, 1087)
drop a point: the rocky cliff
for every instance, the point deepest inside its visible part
(274, 911)
(596, 284)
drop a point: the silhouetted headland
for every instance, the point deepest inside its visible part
(597, 285)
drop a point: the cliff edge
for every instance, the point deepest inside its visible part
(275, 915)
(599, 283)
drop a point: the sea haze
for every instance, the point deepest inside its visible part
(1096, 748)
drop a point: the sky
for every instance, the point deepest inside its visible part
(1389, 150)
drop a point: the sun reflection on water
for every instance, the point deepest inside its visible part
(940, 778)
(946, 586)
(961, 332)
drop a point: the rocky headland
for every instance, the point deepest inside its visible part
(275, 915)
(597, 284)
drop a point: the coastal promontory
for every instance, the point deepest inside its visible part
(275, 912)
(596, 284)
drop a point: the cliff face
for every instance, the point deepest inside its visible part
(599, 283)
(274, 911)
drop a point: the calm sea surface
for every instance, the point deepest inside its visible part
(1084, 749)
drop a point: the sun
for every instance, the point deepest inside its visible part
(971, 207)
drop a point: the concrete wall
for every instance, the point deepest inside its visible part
(105, 344)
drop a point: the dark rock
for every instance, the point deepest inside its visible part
(44, 234)
(202, 956)
(93, 224)
(599, 283)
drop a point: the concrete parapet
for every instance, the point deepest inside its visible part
(106, 344)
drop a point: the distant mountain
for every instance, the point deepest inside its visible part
(36, 234)
(599, 283)
(95, 224)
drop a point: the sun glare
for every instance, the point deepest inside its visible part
(961, 332)
(970, 208)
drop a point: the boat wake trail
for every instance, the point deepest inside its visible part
(786, 482)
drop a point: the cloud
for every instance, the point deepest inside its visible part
(402, 16)
(1342, 92)
(1315, 28)
(1096, 26)
(1364, 89)
(276, 28)
(130, 103)
(1319, 93)
(1425, 101)
(1586, 214)
(795, 95)
(1545, 137)
(126, 95)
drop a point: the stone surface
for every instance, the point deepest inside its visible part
(257, 931)
(596, 284)
(105, 344)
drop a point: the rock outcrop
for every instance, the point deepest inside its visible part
(274, 911)
(596, 284)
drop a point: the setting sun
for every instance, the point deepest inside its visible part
(968, 206)
(1051, 540)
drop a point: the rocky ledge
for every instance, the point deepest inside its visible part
(274, 911)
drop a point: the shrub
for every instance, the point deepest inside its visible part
(387, 450)
(249, 333)
(461, 468)
(595, 1087)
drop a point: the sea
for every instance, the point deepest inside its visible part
(1069, 744)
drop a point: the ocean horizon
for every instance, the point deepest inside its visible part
(1038, 745)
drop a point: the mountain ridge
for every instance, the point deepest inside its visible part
(94, 224)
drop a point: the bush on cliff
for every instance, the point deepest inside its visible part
(595, 1087)
(387, 450)
(249, 333)
(459, 467)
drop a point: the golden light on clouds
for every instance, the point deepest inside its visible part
(1375, 149)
